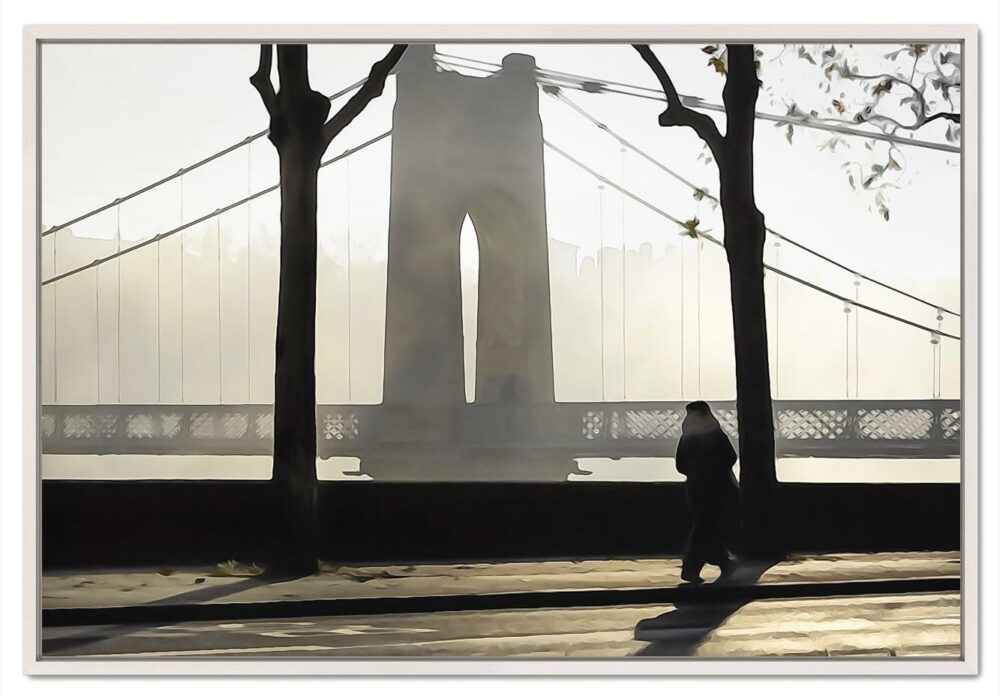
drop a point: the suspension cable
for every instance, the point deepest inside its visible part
(208, 216)
(550, 77)
(696, 103)
(702, 192)
(186, 170)
(715, 241)
(593, 85)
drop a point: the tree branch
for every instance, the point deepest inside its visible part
(261, 80)
(371, 89)
(921, 117)
(954, 118)
(891, 79)
(676, 113)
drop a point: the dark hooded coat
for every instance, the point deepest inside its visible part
(706, 457)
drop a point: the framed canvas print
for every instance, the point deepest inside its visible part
(534, 350)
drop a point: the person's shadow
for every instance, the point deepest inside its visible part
(679, 632)
(90, 635)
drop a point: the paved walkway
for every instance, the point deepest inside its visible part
(100, 589)
(873, 626)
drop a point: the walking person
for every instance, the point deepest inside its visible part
(706, 457)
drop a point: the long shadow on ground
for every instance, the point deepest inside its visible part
(51, 647)
(679, 632)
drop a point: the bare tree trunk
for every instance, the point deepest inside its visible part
(301, 133)
(297, 135)
(758, 483)
(294, 473)
(745, 236)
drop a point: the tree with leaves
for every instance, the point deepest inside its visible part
(911, 89)
(744, 243)
(301, 132)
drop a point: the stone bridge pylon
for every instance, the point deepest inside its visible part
(463, 146)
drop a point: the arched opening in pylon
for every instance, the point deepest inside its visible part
(468, 249)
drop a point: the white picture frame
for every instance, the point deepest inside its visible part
(36, 36)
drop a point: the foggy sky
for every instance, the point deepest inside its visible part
(135, 332)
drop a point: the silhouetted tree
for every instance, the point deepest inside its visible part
(744, 242)
(301, 133)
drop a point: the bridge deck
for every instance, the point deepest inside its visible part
(840, 429)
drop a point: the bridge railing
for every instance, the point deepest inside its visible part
(834, 428)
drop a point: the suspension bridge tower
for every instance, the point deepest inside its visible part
(465, 146)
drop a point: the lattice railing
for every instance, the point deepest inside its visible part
(917, 429)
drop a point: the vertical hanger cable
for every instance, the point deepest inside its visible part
(777, 320)
(118, 263)
(218, 289)
(847, 350)
(249, 265)
(350, 392)
(159, 342)
(181, 246)
(55, 319)
(600, 261)
(698, 315)
(624, 304)
(97, 325)
(857, 340)
(680, 250)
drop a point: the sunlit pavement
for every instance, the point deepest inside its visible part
(110, 588)
(925, 622)
(923, 625)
